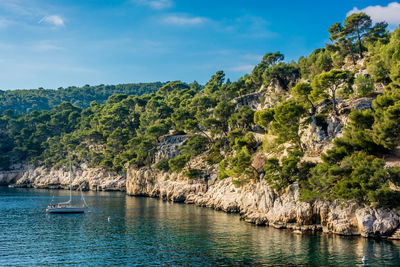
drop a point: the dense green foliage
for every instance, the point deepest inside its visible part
(25, 101)
(222, 128)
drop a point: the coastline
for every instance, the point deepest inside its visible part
(255, 202)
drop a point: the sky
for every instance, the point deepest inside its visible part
(61, 43)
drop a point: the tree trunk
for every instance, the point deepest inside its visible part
(334, 102)
(299, 143)
(351, 53)
(359, 43)
(312, 106)
(204, 133)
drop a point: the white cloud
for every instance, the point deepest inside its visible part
(155, 4)
(4, 23)
(389, 13)
(252, 57)
(44, 46)
(54, 20)
(184, 20)
(243, 68)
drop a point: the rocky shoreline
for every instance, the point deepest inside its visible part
(95, 179)
(256, 202)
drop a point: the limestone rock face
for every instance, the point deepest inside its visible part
(253, 100)
(149, 182)
(168, 147)
(318, 137)
(259, 204)
(9, 177)
(95, 179)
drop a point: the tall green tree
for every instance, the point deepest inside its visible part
(357, 25)
(302, 93)
(329, 82)
(216, 81)
(340, 36)
(286, 124)
(267, 61)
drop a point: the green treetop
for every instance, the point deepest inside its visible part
(329, 82)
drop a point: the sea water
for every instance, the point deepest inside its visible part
(124, 230)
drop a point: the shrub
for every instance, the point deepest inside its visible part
(196, 145)
(321, 121)
(360, 177)
(240, 166)
(248, 141)
(178, 163)
(264, 117)
(222, 170)
(162, 165)
(192, 173)
(364, 86)
(213, 157)
(281, 174)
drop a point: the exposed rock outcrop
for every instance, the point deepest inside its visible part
(168, 146)
(95, 179)
(318, 135)
(10, 177)
(258, 203)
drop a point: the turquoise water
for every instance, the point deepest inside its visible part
(144, 231)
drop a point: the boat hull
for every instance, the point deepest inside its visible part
(65, 210)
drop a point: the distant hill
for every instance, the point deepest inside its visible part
(24, 101)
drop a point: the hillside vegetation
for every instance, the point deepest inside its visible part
(25, 101)
(361, 64)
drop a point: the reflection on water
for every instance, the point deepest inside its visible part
(146, 231)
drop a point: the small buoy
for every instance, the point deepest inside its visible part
(109, 218)
(364, 259)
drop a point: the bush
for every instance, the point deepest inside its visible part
(321, 121)
(162, 165)
(192, 173)
(281, 174)
(222, 170)
(232, 135)
(4, 162)
(106, 163)
(360, 177)
(178, 163)
(196, 145)
(248, 141)
(239, 166)
(213, 157)
(264, 117)
(364, 86)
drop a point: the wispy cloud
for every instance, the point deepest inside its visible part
(45, 46)
(389, 13)
(247, 26)
(19, 7)
(54, 20)
(242, 68)
(252, 57)
(4, 23)
(154, 4)
(256, 27)
(184, 20)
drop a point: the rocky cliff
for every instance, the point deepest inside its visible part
(259, 204)
(95, 179)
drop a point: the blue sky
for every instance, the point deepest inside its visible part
(58, 43)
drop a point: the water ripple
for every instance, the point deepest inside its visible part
(144, 231)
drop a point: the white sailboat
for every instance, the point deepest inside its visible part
(67, 207)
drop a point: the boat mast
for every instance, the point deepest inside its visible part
(70, 181)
